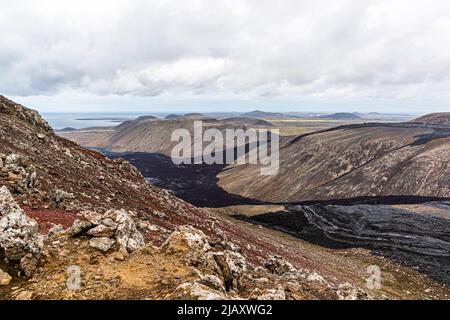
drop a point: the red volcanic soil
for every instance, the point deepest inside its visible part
(47, 218)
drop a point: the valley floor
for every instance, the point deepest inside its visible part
(397, 281)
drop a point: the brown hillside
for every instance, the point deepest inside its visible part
(351, 162)
(434, 118)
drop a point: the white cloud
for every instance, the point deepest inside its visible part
(308, 49)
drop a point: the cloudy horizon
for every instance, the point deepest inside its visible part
(207, 56)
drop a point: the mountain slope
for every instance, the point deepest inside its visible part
(92, 179)
(350, 162)
(434, 118)
(154, 136)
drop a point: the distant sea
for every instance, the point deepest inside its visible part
(84, 120)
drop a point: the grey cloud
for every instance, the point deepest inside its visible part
(265, 48)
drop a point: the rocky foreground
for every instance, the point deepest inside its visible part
(104, 256)
(77, 225)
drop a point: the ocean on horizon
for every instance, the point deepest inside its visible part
(61, 120)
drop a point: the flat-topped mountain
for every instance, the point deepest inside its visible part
(67, 129)
(247, 121)
(192, 115)
(141, 119)
(341, 116)
(262, 114)
(171, 116)
(434, 118)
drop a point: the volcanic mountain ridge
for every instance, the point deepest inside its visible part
(350, 162)
(434, 118)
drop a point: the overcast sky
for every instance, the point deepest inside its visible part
(299, 55)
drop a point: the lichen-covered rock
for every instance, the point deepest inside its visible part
(213, 282)
(347, 291)
(101, 231)
(109, 223)
(194, 246)
(93, 217)
(29, 264)
(103, 244)
(197, 291)
(315, 277)
(115, 224)
(5, 278)
(236, 261)
(7, 202)
(126, 234)
(159, 214)
(18, 172)
(279, 266)
(78, 227)
(231, 266)
(19, 234)
(189, 240)
(55, 230)
(59, 196)
(268, 294)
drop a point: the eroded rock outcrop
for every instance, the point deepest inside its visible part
(196, 248)
(115, 226)
(18, 172)
(5, 278)
(224, 273)
(278, 265)
(30, 116)
(187, 240)
(126, 233)
(198, 291)
(225, 266)
(19, 236)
